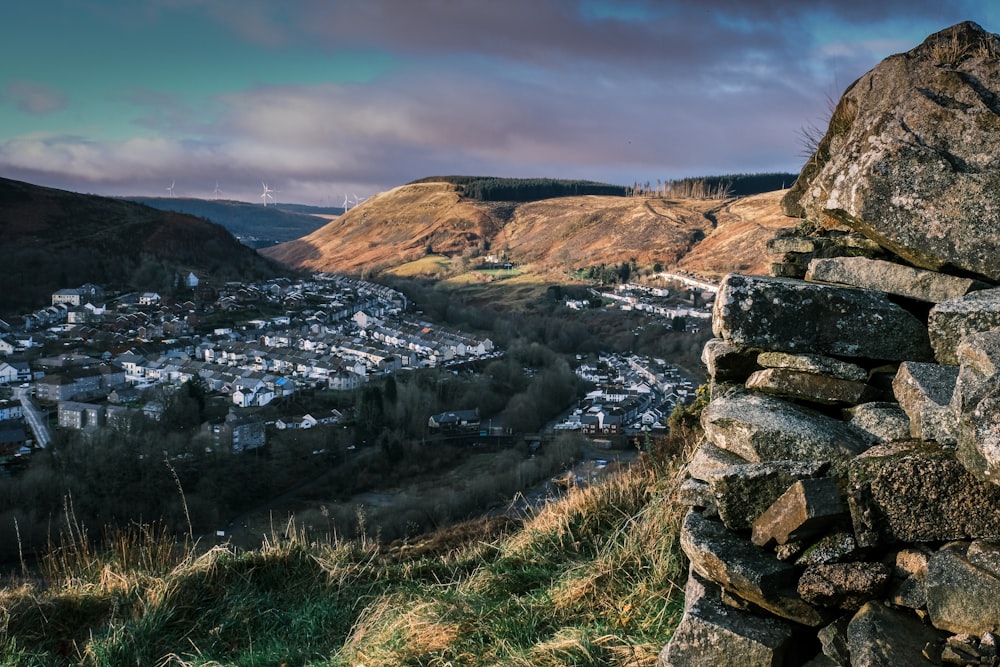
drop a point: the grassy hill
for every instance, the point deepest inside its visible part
(548, 239)
(594, 578)
(53, 239)
(254, 225)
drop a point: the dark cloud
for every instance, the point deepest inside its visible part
(35, 98)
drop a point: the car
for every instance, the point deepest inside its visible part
(25, 385)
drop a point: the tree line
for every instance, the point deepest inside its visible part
(492, 189)
(714, 187)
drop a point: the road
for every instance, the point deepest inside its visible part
(34, 417)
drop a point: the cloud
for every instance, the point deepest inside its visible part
(35, 98)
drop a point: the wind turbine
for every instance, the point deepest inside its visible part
(217, 192)
(346, 202)
(171, 188)
(267, 193)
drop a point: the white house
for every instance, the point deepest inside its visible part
(149, 299)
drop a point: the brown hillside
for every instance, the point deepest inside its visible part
(705, 237)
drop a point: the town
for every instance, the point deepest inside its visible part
(92, 359)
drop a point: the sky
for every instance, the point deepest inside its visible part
(328, 99)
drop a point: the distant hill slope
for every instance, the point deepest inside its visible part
(708, 237)
(50, 239)
(253, 224)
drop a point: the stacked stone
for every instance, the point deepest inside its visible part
(845, 500)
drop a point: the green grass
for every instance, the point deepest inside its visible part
(594, 578)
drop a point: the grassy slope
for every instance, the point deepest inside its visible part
(592, 579)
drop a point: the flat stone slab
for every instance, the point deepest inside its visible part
(805, 386)
(758, 427)
(882, 421)
(890, 277)
(919, 492)
(813, 363)
(951, 321)
(787, 315)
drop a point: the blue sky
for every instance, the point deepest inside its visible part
(319, 98)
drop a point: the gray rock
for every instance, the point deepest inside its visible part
(744, 570)
(881, 421)
(728, 362)
(976, 401)
(844, 586)
(757, 427)
(898, 279)
(780, 245)
(910, 572)
(960, 596)
(832, 548)
(979, 438)
(709, 461)
(711, 634)
(978, 356)
(813, 363)
(918, 492)
(833, 639)
(881, 637)
(786, 315)
(908, 159)
(924, 392)
(985, 554)
(799, 385)
(951, 321)
(807, 508)
(743, 492)
(696, 493)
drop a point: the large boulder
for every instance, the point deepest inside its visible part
(786, 315)
(909, 158)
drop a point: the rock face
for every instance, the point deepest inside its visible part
(877, 390)
(909, 159)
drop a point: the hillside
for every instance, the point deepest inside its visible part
(54, 239)
(547, 238)
(254, 225)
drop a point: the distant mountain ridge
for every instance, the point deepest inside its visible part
(53, 239)
(254, 225)
(551, 236)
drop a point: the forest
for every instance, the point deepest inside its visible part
(483, 188)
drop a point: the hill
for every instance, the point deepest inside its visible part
(54, 239)
(254, 225)
(550, 237)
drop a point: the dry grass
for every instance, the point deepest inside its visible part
(591, 579)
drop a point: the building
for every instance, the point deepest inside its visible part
(459, 420)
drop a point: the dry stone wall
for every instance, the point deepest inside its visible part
(844, 502)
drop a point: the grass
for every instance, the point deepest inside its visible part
(594, 578)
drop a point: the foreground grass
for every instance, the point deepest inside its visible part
(592, 579)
